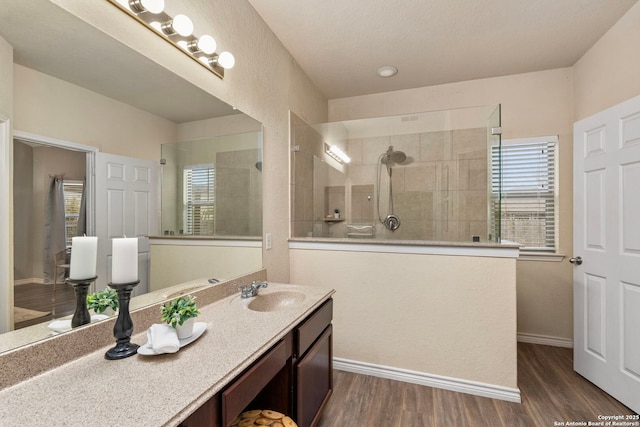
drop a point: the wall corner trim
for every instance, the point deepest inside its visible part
(430, 380)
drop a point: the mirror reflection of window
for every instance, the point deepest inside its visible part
(72, 200)
(199, 200)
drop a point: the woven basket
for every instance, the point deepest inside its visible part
(262, 418)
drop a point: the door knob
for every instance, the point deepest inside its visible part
(576, 260)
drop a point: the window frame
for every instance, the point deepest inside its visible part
(550, 178)
(188, 219)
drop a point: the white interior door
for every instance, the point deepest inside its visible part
(127, 204)
(607, 238)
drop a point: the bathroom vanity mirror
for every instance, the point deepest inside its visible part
(50, 43)
(213, 186)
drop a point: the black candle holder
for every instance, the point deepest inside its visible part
(124, 325)
(81, 288)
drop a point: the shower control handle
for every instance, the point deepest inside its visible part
(576, 260)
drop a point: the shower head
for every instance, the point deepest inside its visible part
(391, 156)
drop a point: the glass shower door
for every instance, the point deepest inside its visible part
(494, 177)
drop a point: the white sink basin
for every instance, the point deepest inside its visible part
(273, 301)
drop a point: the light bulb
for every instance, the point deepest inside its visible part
(182, 25)
(226, 60)
(207, 44)
(153, 6)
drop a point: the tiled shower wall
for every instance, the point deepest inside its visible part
(439, 193)
(238, 193)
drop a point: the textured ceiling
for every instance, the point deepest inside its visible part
(340, 44)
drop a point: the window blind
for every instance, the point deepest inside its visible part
(199, 195)
(527, 181)
(72, 191)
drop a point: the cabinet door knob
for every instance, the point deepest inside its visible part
(576, 260)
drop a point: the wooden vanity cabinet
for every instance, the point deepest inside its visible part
(264, 383)
(294, 377)
(204, 416)
(313, 366)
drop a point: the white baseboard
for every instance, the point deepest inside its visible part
(27, 281)
(430, 380)
(545, 340)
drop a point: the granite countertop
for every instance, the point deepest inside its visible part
(157, 390)
(20, 337)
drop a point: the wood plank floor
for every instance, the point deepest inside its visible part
(551, 392)
(41, 297)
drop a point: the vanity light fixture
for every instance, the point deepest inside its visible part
(153, 6)
(336, 153)
(178, 31)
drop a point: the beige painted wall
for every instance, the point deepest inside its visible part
(445, 315)
(172, 264)
(23, 202)
(533, 104)
(608, 73)
(48, 106)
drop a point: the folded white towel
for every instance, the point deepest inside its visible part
(162, 338)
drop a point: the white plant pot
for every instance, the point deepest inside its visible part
(186, 330)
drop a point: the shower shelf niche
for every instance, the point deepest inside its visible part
(333, 219)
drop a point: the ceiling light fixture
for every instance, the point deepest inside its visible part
(336, 153)
(387, 71)
(178, 31)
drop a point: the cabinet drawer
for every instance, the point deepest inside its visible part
(242, 391)
(310, 329)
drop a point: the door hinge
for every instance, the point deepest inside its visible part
(496, 131)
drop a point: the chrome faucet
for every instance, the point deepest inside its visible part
(251, 291)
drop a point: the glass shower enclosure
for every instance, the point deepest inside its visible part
(431, 176)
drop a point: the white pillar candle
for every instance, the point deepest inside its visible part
(124, 261)
(84, 252)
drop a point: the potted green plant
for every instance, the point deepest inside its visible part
(103, 302)
(180, 314)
